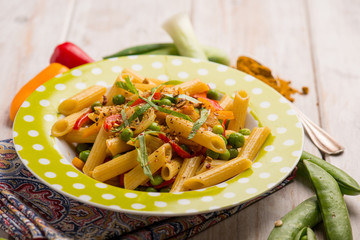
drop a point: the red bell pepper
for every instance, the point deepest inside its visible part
(165, 183)
(138, 101)
(197, 95)
(224, 126)
(81, 120)
(70, 55)
(111, 120)
(181, 152)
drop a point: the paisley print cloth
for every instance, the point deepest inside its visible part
(31, 210)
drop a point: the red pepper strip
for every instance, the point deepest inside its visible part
(181, 152)
(197, 95)
(165, 183)
(111, 120)
(122, 180)
(138, 101)
(81, 120)
(215, 104)
(70, 55)
(224, 125)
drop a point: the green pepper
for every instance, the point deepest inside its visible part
(332, 205)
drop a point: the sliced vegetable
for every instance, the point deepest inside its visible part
(179, 151)
(204, 113)
(187, 97)
(332, 205)
(211, 104)
(142, 156)
(223, 115)
(48, 73)
(112, 121)
(81, 120)
(70, 55)
(78, 163)
(181, 31)
(138, 101)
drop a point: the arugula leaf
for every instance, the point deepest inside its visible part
(190, 99)
(139, 112)
(172, 82)
(203, 116)
(127, 85)
(142, 156)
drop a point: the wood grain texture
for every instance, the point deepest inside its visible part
(311, 43)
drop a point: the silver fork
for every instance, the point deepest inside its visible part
(318, 136)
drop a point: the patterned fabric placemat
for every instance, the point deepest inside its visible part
(31, 210)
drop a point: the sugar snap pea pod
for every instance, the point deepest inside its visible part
(331, 202)
(305, 233)
(347, 184)
(164, 51)
(306, 214)
(140, 49)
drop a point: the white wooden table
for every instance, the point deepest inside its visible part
(312, 43)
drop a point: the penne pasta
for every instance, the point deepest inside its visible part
(226, 102)
(65, 125)
(254, 142)
(116, 145)
(239, 109)
(171, 168)
(77, 136)
(191, 87)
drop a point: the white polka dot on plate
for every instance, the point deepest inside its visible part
(272, 117)
(243, 180)
(154, 194)
(281, 130)
(115, 207)
(214, 207)
(33, 133)
(138, 206)
(257, 165)
(184, 201)
(64, 161)
(107, 196)
(160, 204)
(230, 82)
(137, 67)
(298, 125)
(195, 60)
(85, 197)
(131, 195)
(265, 104)
(57, 186)
(212, 85)
(222, 185)
(276, 159)
(50, 175)
(163, 77)
(25, 104)
(116, 69)
(72, 174)
(222, 68)
(251, 190)
(80, 85)
(207, 199)
(283, 100)
(15, 134)
(229, 195)
(264, 175)
(102, 83)
(249, 78)
(257, 91)
(202, 71)
(176, 62)
(113, 59)
(60, 86)
(291, 112)
(289, 142)
(271, 185)
(96, 71)
(48, 117)
(269, 148)
(101, 185)
(44, 103)
(183, 75)
(285, 169)
(59, 75)
(191, 210)
(76, 73)
(157, 65)
(41, 88)
(38, 147)
(44, 161)
(133, 57)
(78, 185)
(26, 162)
(296, 153)
(28, 118)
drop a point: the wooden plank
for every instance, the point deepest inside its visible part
(28, 36)
(276, 34)
(336, 37)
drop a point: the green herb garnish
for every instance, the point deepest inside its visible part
(142, 156)
(203, 116)
(190, 99)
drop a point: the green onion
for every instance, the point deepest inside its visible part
(203, 116)
(142, 156)
(190, 99)
(181, 31)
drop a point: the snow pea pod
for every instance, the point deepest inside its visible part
(332, 205)
(347, 184)
(305, 233)
(140, 49)
(306, 214)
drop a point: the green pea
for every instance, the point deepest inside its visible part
(118, 99)
(157, 179)
(233, 153)
(150, 189)
(245, 131)
(236, 140)
(173, 100)
(126, 134)
(218, 129)
(212, 154)
(96, 104)
(84, 155)
(212, 94)
(154, 126)
(82, 147)
(165, 101)
(225, 155)
(185, 148)
(165, 190)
